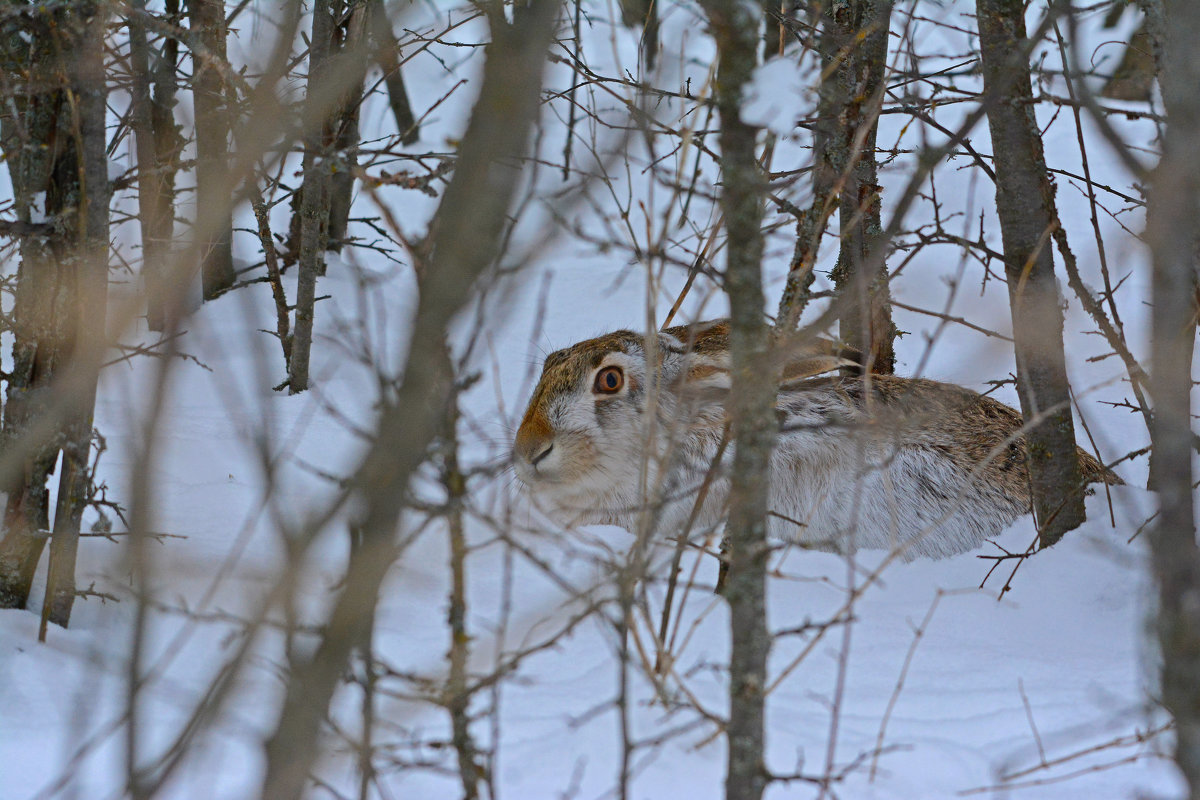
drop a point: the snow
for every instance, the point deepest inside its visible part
(780, 94)
(993, 687)
(37, 208)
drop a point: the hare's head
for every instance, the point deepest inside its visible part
(586, 436)
(618, 416)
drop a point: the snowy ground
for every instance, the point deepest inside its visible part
(963, 691)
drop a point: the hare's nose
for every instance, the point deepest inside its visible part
(542, 454)
(535, 439)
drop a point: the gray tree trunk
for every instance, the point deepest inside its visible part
(353, 58)
(168, 147)
(1025, 205)
(643, 14)
(387, 56)
(214, 211)
(156, 178)
(854, 47)
(313, 208)
(1171, 230)
(752, 401)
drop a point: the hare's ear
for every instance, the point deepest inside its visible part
(709, 337)
(812, 366)
(851, 359)
(668, 342)
(819, 357)
(703, 381)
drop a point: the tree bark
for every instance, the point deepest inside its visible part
(1025, 205)
(55, 188)
(853, 48)
(752, 401)
(156, 211)
(168, 146)
(811, 222)
(478, 197)
(353, 56)
(386, 50)
(1174, 208)
(854, 42)
(212, 148)
(643, 14)
(313, 209)
(89, 265)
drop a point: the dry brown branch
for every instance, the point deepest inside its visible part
(478, 197)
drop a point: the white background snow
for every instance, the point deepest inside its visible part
(1061, 664)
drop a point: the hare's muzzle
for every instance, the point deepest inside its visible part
(534, 442)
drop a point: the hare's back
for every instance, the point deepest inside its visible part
(974, 430)
(892, 461)
(892, 416)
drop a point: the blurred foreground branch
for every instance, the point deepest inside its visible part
(477, 200)
(1174, 207)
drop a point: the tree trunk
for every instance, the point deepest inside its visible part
(458, 692)
(752, 400)
(60, 187)
(386, 50)
(214, 213)
(1171, 231)
(40, 156)
(345, 137)
(89, 268)
(156, 193)
(854, 47)
(777, 14)
(313, 211)
(168, 146)
(1025, 205)
(811, 222)
(643, 14)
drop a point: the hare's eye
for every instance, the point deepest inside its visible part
(609, 380)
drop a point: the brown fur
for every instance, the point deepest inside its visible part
(991, 438)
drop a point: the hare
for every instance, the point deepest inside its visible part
(929, 468)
